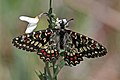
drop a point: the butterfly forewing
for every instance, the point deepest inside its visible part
(32, 41)
(87, 46)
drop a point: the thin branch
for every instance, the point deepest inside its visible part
(54, 71)
(48, 70)
(50, 4)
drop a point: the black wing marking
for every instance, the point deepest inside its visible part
(41, 42)
(32, 41)
(81, 46)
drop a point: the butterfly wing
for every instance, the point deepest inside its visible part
(50, 52)
(82, 46)
(40, 42)
(32, 41)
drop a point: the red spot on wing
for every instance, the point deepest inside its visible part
(53, 55)
(48, 56)
(45, 53)
(42, 50)
(71, 59)
(75, 57)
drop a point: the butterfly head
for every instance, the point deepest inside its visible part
(62, 23)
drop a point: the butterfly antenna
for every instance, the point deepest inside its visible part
(69, 21)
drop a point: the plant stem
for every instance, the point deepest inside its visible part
(48, 71)
(50, 3)
(50, 15)
(45, 74)
(54, 70)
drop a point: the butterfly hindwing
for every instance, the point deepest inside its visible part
(48, 55)
(72, 57)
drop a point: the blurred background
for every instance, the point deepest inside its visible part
(98, 19)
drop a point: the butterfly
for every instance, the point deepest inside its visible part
(48, 43)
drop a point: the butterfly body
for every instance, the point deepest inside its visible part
(48, 43)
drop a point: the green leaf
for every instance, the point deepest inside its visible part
(40, 75)
(62, 63)
(59, 67)
(46, 77)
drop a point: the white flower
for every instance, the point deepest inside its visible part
(32, 22)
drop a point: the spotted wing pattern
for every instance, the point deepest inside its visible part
(47, 45)
(79, 46)
(32, 41)
(39, 42)
(48, 55)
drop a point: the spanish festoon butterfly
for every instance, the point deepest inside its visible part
(48, 43)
